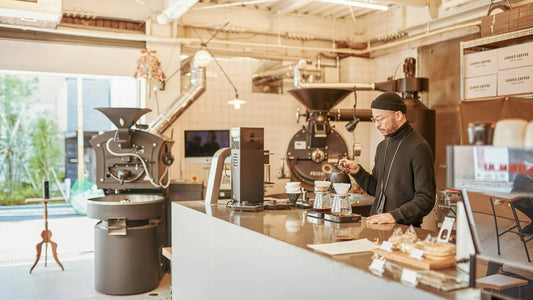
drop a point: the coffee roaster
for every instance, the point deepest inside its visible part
(316, 148)
(133, 169)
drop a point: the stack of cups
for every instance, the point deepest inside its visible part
(293, 191)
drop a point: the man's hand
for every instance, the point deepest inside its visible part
(385, 227)
(349, 166)
(385, 218)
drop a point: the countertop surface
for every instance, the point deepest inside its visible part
(293, 226)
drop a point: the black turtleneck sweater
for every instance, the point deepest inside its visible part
(411, 190)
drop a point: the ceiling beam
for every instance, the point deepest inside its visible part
(413, 2)
(288, 6)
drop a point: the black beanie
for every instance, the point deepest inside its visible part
(389, 101)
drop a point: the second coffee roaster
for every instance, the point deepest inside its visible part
(315, 149)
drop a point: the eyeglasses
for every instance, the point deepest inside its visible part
(379, 119)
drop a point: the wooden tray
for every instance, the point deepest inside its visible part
(425, 264)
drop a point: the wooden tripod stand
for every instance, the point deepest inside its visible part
(45, 234)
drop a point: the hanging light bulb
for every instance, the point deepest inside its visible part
(237, 102)
(202, 58)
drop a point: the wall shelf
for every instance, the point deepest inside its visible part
(490, 43)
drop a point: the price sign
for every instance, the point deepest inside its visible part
(409, 277)
(417, 254)
(445, 230)
(377, 266)
(386, 246)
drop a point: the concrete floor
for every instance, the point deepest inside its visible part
(21, 230)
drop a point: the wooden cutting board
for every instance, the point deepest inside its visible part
(425, 264)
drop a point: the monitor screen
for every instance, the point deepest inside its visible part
(204, 143)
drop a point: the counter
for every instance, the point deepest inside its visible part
(218, 253)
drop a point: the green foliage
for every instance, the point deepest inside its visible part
(47, 150)
(29, 143)
(19, 196)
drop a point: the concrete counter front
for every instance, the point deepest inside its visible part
(218, 253)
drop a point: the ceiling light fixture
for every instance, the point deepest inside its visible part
(175, 10)
(237, 102)
(357, 4)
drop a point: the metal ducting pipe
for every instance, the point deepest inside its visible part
(197, 88)
(334, 85)
(347, 114)
(280, 73)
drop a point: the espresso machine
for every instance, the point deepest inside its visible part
(133, 170)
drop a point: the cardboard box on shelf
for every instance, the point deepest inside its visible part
(512, 24)
(516, 56)
(480, 87)
(515, 81)
(495, 24)
(481, 63)
(507, 21)
(525, 16)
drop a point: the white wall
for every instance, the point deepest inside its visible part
(276, 113)
(67, 58)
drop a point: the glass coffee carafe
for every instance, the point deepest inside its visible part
(322, 200)
(322, 195)
(341, 205)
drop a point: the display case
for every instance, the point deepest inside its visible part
(497, 66)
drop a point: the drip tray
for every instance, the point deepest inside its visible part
(248, 207)
(274, 206)
(315, 214)
(304, 205)
(342, 219)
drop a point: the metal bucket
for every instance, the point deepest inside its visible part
(127, 242)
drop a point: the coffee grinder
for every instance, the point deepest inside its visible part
(247, 168)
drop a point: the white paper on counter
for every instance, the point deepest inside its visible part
(361, 245)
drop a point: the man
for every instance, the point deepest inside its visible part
(403, 178)
(211, 146)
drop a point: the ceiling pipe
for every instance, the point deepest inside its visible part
(328, 85)
(190, 41)
(274, 74)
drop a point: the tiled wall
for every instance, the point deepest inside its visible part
(276, 113)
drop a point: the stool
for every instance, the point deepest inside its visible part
(509, 198)
(45, 234)
(167, 252)
(499, 282)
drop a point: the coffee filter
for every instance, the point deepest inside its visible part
(341, 188)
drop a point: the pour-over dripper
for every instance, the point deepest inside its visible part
(341, 188)
(293, 197)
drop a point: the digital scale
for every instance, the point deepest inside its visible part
(315, 214)
(342, 219)
(257, 207)
(274, 205)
